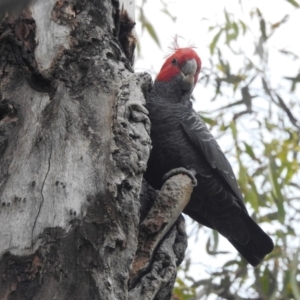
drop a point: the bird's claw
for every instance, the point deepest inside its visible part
(191, 173)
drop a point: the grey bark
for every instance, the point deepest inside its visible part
(74, 143)
(162, 241)
(12, 6)
(166, 208)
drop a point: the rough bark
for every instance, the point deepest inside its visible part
(12, 6)
(74, 143)
(162, 240)
(167, 206)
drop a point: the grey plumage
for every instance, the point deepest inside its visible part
(180, 138)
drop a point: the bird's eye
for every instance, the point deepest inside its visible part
(174, 61)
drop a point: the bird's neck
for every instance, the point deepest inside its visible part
(170, 92)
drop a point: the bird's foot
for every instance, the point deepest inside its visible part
(191, 173)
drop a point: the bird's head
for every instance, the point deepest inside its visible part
(181, 70)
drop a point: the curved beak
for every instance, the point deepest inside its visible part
(189, 71)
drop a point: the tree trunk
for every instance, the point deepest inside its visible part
(74, 143)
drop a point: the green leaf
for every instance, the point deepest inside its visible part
(244, 26)
(152, 33)
(173, 18)
(225, 65)
(276, 190)
(230, 263)
(258, 12)
(262, 25)
(289, 53)
(233, 129)
(269, 217)
(182, 289)
(213, 44)
(232, 32)
(249, 151)
(291, 230)
(227, 17)
(209, 121)
(294, 3)
(279, 23)
(236, 30)
(243, 178)
(293, 281)
(265, 280)
(201, 282)
(251, 197)
(146, 24)
(212, 243)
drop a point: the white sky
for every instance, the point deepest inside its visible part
(193, 19)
